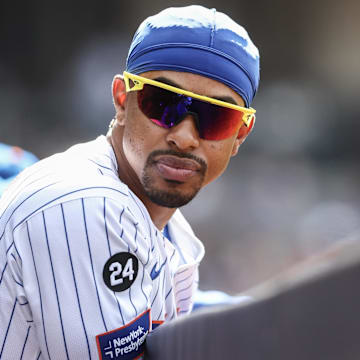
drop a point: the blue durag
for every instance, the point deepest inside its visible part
(197, 40)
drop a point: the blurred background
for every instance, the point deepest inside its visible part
(292, 190)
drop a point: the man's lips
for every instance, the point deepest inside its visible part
(175, 168)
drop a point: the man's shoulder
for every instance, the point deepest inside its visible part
(64, 177)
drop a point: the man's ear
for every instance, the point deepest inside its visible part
(243, 133)
(119, 92)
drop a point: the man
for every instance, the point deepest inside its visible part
(93, 251)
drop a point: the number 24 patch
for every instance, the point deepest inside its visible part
(120, 271)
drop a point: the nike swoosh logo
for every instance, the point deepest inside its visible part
(155, 273)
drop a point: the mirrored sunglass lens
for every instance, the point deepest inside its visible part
(163, 107)
(216, 122)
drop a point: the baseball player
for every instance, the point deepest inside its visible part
(94, 253)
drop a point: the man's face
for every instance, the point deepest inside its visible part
(173, 164)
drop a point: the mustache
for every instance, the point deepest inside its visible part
(155, 153)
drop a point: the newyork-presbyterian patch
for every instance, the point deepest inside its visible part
(127, 342)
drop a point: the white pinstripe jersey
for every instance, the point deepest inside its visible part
(60, 222)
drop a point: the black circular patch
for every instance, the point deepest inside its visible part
(120, 271)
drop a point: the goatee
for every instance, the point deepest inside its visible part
(172, 197)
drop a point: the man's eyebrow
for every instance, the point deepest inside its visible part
(227, 99)
(167, 81)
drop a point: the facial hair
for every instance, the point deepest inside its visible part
(171, 197)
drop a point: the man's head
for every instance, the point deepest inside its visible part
(197, 40)
(178, 133)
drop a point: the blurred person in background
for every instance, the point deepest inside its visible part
(94, 253)
(13, 160)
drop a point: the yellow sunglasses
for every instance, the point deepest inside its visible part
(167, 105)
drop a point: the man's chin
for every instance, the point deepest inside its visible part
(169, 199)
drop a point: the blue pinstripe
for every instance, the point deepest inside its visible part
(49, 202)
(27, 334)
(132, 302)
(155, 294)
(141, 210)
(179, 251)
(122, 317)
(189, 297)
(172, 255)
(182, 280)
(2, 274)
(102, 166)
(20, 284)
(168, 293)
(136, 232)
(180, 291)
(108, 241)
(8, 249)
(57, 198)
(162, 308)
(56, 292)
(76, 289)
(105, 224)
(7, 330)
(142, 280)
(132, 214)
(121, 214)
(182, 271)
(40, 297)
(19, 206)
(17, 251)
(108, 157)
(20, 189)
(139, 207)
(122, 229)
(152, 243)
(91, 261)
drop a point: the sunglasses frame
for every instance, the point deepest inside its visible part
(140, 81)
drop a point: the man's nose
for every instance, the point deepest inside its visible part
(184, 136)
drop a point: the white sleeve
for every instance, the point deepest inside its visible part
(17, 330)
(80, 273)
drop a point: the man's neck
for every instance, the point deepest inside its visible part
(160, 215)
